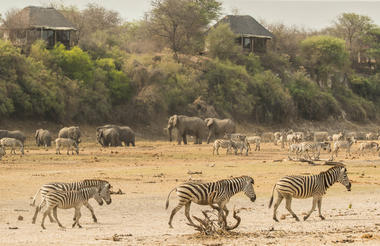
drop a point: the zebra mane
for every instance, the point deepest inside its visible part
(336, 166)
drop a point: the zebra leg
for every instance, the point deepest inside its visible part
(174, 211)
(187, 213)
(77, 216)
(319, 208)
(289, 207)
(315, 199)
(91, 210)
(275, 207)
(56, 217)
(47, 211)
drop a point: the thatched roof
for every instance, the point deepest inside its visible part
(246, 25)
(48, 18)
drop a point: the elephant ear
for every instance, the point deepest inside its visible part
(37, 132)
(175, 120)
(210, 122)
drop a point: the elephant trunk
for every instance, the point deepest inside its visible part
(170, 133)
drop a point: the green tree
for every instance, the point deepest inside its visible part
(221, 42)
(324, 56)
(181, 23)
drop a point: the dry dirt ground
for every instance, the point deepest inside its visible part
(146, 173)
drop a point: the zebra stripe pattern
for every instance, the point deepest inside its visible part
(58, 186)
(315, 147)
(308, 186)
(73, 199)
(218, 192)
(365, 146)
(223, 143)
(343, 144)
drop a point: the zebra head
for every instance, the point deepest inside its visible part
(248, 188)
(103, 194)
(343, 178)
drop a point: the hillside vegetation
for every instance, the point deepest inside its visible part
(143, 71)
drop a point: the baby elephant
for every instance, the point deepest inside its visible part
(13, 143)
(68, 143)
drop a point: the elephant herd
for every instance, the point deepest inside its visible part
(198, 128)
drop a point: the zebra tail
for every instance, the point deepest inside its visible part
(271, 199)
(34, 198)
(167, 200)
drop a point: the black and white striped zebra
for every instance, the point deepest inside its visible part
(223, 143)
(73, 199)
(343, 144)
(314, 147)
(58, 186)
(371, 145)
(308, 186)
(219, 192)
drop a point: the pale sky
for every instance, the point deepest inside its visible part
(302, 13)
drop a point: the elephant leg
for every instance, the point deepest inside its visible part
(184, 138)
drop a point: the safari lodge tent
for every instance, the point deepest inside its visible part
(251, 34)
(33, 23)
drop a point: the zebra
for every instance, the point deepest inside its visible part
(305, 147)
(58, 186)
(66, 142)
(308, 186)
(219, 192)
(336, 137)
(343, 144)
(242, 145)
(255, 140)
(223, 143)
(73, 199)
(13, 143)
(294, 148)
(371, 145)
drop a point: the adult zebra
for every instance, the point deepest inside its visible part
(308, 186)
(87, 183)
(73, 199)
(219, 192)
(315, 147)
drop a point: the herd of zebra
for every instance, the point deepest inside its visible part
(215, 194)
(299, 144)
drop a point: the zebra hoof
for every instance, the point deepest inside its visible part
(275, 219)
(322, 218)
(298, 219)
(305, 217)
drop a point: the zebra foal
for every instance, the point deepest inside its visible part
(308, 186)
(58, 186)
(223, 143)
(219, 192)
(73, 199)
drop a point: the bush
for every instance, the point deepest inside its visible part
(272, 102)
(311, 102)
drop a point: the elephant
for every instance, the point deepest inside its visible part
(13, 134)
(43, 137)
(186, 125)
(126, 134)
(217, 127)
(108, 137)
(72, 132)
